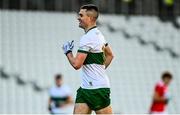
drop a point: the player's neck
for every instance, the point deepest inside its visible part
(90, 27)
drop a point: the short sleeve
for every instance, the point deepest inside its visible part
(69, 91)
(50, 91)
(159, 89)
(85, 45)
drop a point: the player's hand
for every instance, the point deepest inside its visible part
(68, 47)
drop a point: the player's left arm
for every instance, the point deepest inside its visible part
(158, 95)
(78, 60)
(69, 100)
(108, 55)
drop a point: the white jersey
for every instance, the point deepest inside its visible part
(59, 95)
(62, 91)
(93, 71)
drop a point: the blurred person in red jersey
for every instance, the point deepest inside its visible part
(161, 95)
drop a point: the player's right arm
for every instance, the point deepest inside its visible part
(49, 104)
(108, 55)
(78, 60)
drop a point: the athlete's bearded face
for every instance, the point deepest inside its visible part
(83, 18)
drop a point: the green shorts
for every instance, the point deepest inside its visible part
(96, 99)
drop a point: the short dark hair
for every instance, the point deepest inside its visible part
(58, 76)
(91, 7)
(167, 75)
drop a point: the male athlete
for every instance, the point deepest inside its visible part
(94, 56)
(60, 99)
(161, 96)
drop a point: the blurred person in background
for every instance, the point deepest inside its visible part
(60, 99)
(94, 56)
(161, 95)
